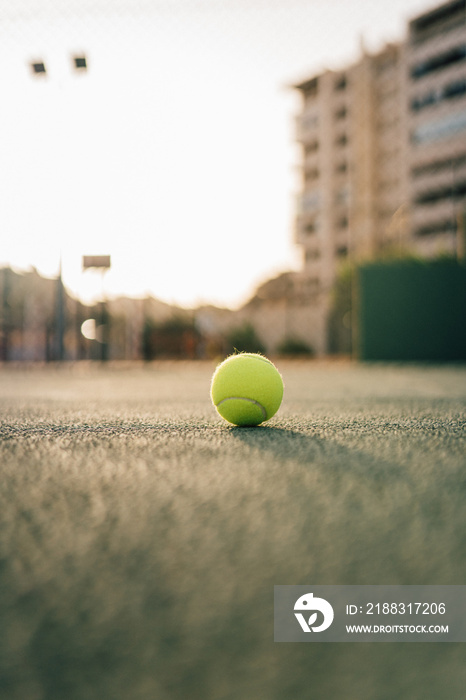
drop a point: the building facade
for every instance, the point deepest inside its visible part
(436, 69)
(384, 153)
(352, 131)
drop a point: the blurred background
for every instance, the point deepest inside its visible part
(184, 177)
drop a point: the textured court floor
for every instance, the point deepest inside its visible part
(141, 536)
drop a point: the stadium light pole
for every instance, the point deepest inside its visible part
(39, 70)
(102, 263)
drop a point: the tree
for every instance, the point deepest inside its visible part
(244, 339)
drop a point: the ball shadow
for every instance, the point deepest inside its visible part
(327, 454)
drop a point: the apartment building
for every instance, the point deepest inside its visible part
(352, 131)
(436, 68)
(384, 151)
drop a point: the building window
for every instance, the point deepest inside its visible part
(342, 195)
(439, 165)
(311, 227)
(311, 175)
(341, 167)
(309, 201)
(341, 113)
(311, 147)
(312, 254)
(309, 121)
(434, 63)
(454, 191)
(444, 128)
(442, 18)
(342, 222)
(454, 89)
(341, 140)
(342, 251)
(449, 92)
(418, 103)
(340, 83)
(437, 227)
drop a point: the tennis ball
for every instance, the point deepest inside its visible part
(246, 389)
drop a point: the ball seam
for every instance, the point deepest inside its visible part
(243, 398)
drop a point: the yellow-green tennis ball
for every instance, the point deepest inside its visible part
(246, 389)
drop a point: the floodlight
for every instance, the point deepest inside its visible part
(80, 63)
(38, 67)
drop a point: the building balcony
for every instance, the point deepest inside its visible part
(308, 203)
(449, 125)
(306, 127)
(306, 229)
(311, 161)
(437, 59)
(434, 244)
(427, 216)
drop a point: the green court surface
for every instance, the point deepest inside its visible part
(141, 535)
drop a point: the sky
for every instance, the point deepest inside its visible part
(174, 153)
